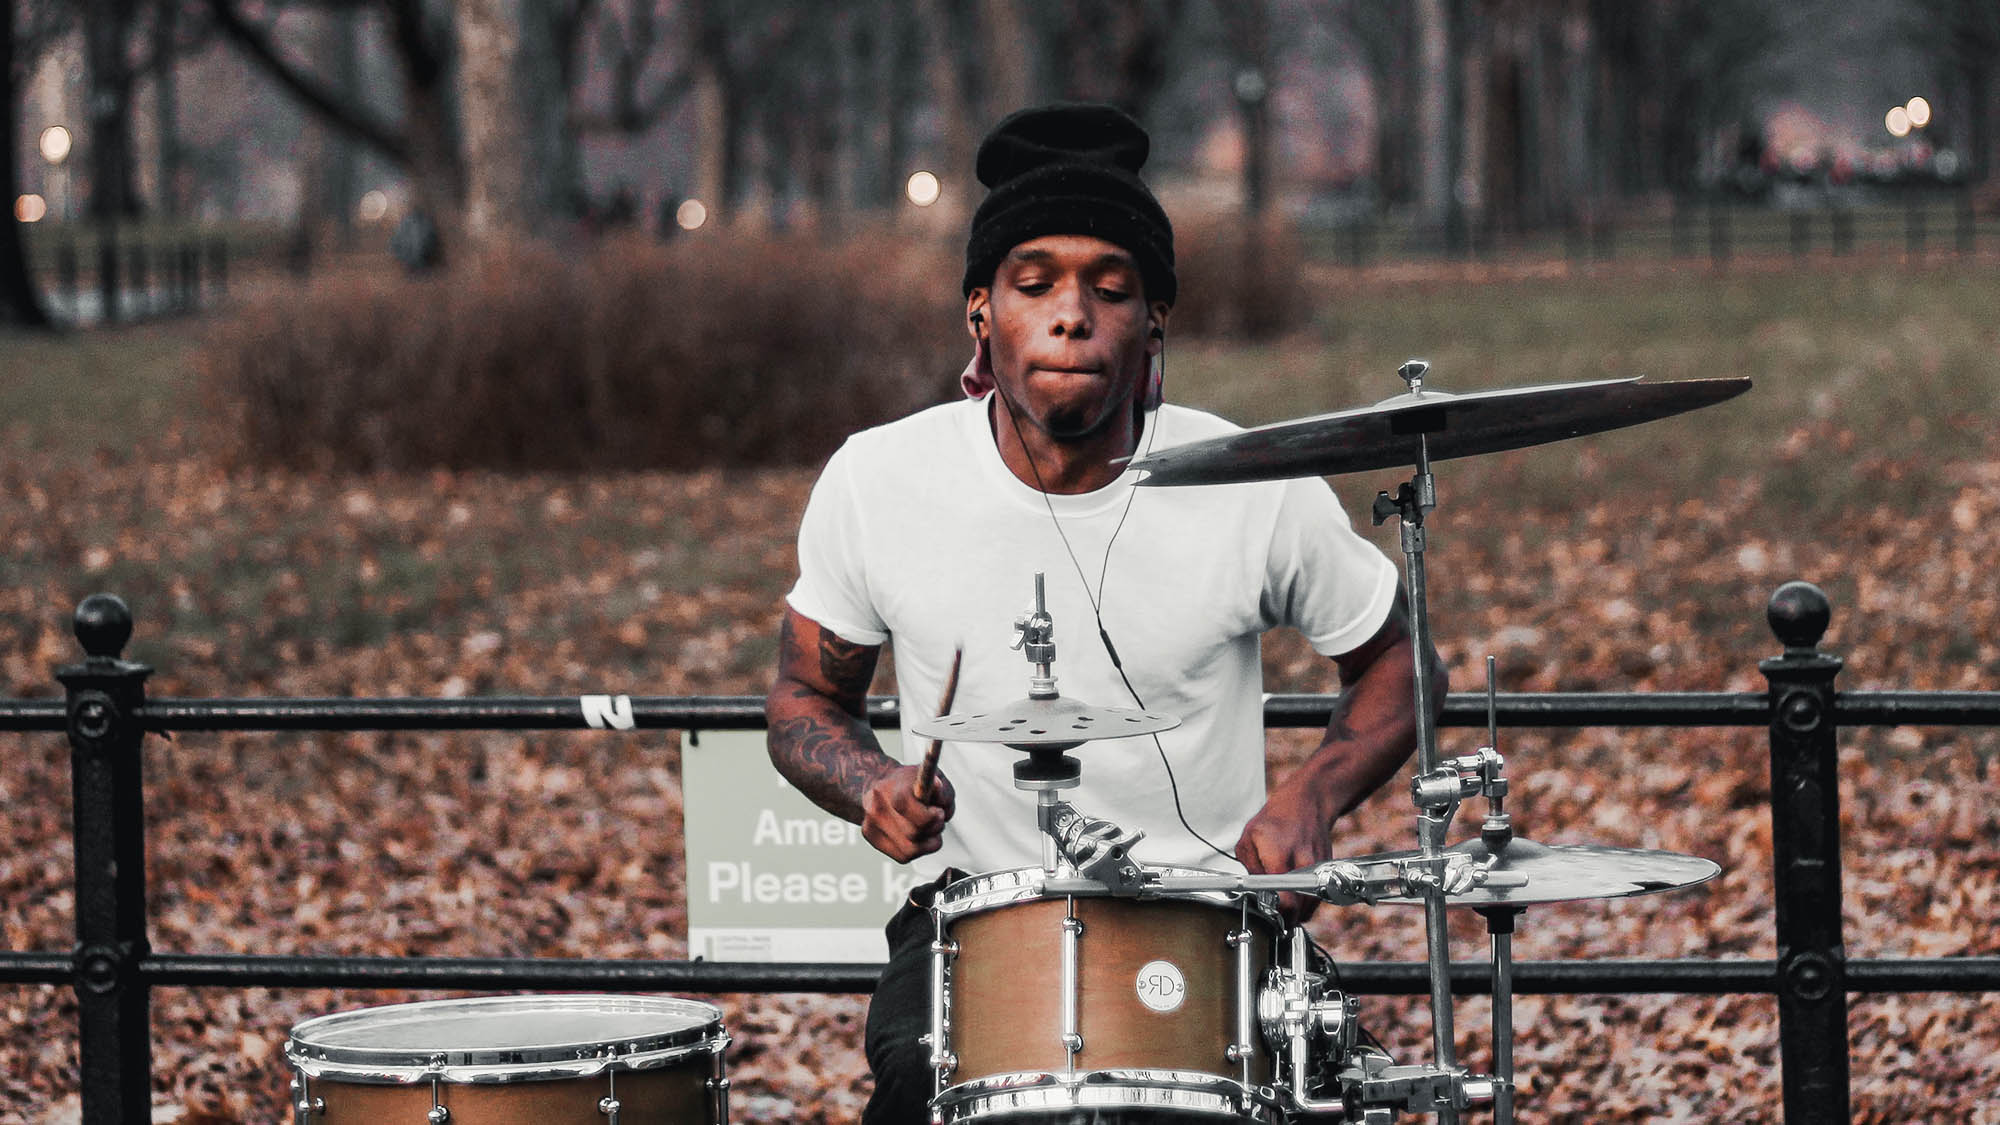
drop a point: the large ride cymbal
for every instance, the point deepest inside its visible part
(1055, 723)
(1385, 435)
(1570, 872)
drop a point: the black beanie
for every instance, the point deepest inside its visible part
(1069, 169)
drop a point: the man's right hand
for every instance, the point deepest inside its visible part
(897, 823)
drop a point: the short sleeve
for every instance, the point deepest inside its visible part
(833, 575)
(1322, 578)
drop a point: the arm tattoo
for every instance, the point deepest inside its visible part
(819, 737)
(847, 666)
(828, 762)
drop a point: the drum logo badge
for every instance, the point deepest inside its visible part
(1161, 986)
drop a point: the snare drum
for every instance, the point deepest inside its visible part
(1046, 1004)
(513, 1060)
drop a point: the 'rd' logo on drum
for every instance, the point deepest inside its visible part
(1161, 986)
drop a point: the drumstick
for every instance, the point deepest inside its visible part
(928, 770)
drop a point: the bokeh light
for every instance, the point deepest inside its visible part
(31, 208)
(1898, 122)
(55, 144)
(690, 214)
(923, 189)
(374, 207)
(1919, 111)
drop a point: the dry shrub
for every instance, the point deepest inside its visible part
(1239, 279)
(721, 351)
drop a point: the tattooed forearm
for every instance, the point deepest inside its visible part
(816, 710)
(832, 763)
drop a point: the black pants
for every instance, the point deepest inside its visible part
(900, 1012)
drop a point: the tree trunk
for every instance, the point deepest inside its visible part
(1435, 75)
(948, 93)
(509, 90)
(166, 108)
(19, 304)
(343, 173)
(1009, 56)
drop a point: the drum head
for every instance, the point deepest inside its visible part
(504, 1038)
(995, 889)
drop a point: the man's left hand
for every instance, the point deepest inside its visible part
(1291, 831)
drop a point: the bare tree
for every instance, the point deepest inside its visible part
(424, 141)
(19, 303)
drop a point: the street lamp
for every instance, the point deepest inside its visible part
(1898, 122)
(55, 144)
(1919, 111)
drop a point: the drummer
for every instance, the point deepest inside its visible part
(929, 530)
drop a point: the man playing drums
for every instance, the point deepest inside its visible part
(930, 530)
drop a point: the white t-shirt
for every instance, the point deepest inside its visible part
(917, 531)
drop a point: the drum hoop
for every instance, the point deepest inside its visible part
(538, 1062)
(993, 890)
(1185, 1091)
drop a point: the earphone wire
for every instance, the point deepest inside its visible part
(1096, 599)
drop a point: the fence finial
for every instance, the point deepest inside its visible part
(103, 624)
(1799, 613)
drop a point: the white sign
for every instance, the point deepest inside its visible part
(772, 876)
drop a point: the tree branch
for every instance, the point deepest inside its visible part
(357, 123)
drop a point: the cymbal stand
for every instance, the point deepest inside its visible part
(1047, 770)
(1413, 499)
(1497, 831)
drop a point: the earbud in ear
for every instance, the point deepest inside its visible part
(977, 319)
(1159, 333)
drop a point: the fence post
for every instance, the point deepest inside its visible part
(114, 1040)
(107, 269)
(1805, 845)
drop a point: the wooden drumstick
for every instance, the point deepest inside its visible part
(927, 773)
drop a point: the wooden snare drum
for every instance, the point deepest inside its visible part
(513, 1060)
(1046, 1004)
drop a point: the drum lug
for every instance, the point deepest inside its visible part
(438, 1115)
(608, 1105)
(1072, 932)
(303, 1102)
(718, 1092)
(1244, 1050)
(938, 1040)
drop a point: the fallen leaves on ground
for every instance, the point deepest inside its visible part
(569, 845)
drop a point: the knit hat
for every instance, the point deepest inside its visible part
(1069, 169)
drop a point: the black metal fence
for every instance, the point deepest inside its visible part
(94, 276)
(1917, 224)
(113, 967)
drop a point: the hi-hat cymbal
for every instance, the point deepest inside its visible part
(1458, 425)
(1570, 872)
(1056, 723)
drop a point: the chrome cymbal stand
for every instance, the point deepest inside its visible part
(1436, 789)
(1412, 500)
(1496, 832)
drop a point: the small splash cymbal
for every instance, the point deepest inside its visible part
(1570, 872)
(1044, 723)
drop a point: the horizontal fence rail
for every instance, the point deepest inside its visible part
(106, 715)
(1548, 710)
